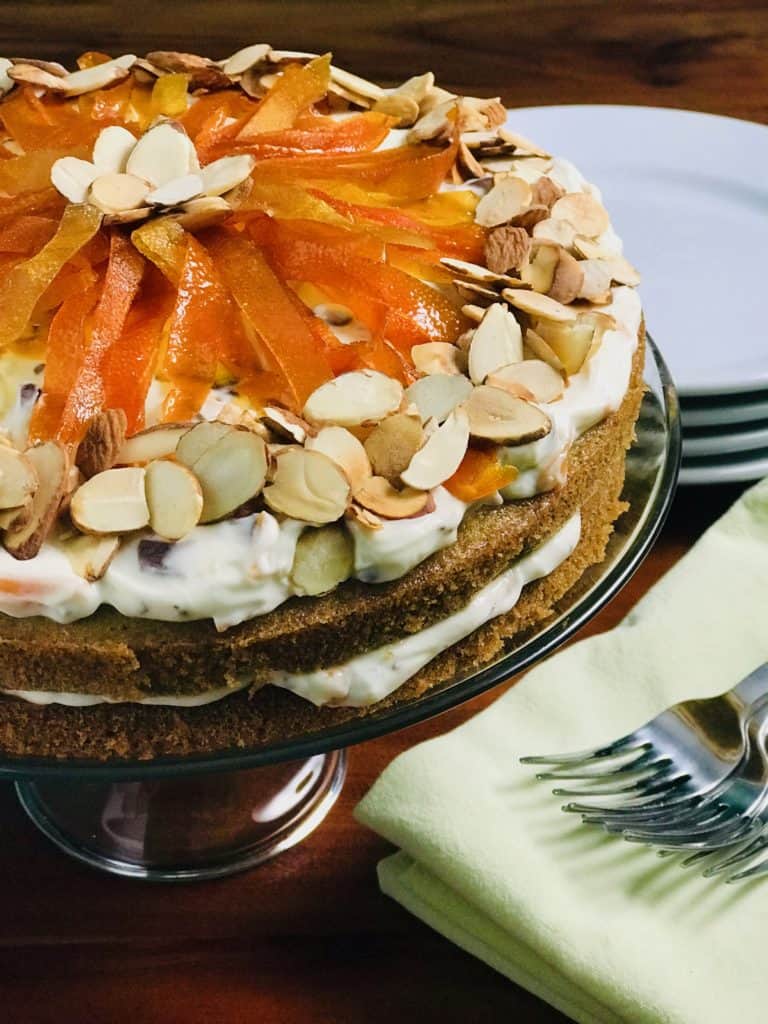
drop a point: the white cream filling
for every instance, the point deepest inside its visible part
(370, 677)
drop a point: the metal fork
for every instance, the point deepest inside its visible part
(694, 778)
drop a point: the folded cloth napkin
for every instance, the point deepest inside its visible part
(602, 929)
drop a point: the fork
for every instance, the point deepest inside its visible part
(695, 779)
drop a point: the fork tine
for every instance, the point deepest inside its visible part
(646, 776)
(651, 785)
(753, 872)
(597, 770)
(597, 753)
(640, 807)
(740, 856)
(709, 820)
(733, 830)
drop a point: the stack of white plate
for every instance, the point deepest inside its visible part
(689, 195)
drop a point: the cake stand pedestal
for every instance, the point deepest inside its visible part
(188, 828)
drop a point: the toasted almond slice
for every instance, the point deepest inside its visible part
(438, 395)
(479, 275)
(538, 347)
(352, 399)
(595, 281)
(561, 232)
(621, 270)
(201, 213)
(175, 499)
(496, 342)
(436, 357)
(354, 83)
(111, 502)
(179, 190)
(286, 424)
(231, 471)
(522, 144)
(379, 496)
(324, 558)
(405, 109)
(584, 212)
(308, 486)
(592, 249)
(243, 60)
(363, 517)
(345, 450)
(532, 379)
(496, 415)
(99, 76)
(225, 174)
(102, 442)
(392, 444)
(441, 455)
(197, 440)
(89, 555)
(435, 124)
(112, 148)
(476, 293)
(568, 279)
(29, 74)
(539, 305)
(508, 198)
(127, 216)
(203, 73)
(18, 480)
(481, 113)
(73, 177)
(115, 193)
(17, 517)
(573, 343)
(162, 154)
(25, 536)
(539, 272)
(153, 443)
(473, 312)
(238, 416)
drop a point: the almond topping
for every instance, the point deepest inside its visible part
(89, 555)
(111, 502)
(380, 497)
(403, 108)
(225, 174)
(561, 232)
(546, 192)
(197, 440)
(25, 536)
(477, 274)
(162, 154)
(73, 177)
(345, 450)
(202, 213)
(572, 343)
(595, 281)
(308, 486)
(231, 471)
(243, 60)
(392, 444)
(532, 379)
(18, 480)
(352, 399)
(497, 342)
(153, 443)
(111, 150)
(522, 144)
(323, 559)
(508, 198)
(116, 193)
(568, 278)
(542, 350)
(285, 424)
(203, 72)
(102, 443)
(506, 249)
(175, 499)
(584, 212)
(539, 305)
(438, 395)
(436, 357)
(179, 190)
(441, 455)
(539, 273)
(496, 415)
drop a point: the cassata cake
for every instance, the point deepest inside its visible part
(313, 395)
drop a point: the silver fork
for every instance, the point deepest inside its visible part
(695, 778)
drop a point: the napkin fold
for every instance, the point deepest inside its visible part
(602, 929)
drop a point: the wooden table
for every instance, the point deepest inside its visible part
(308, 937)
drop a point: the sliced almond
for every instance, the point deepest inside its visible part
(162, 154)
(584, 212)
(18, 479)
(308, 486)
(595, 281)
(438, 395)
(573, 343)
(179, 190)
(154, 443)
(286, 424)
(522, 144)
(379, 496)
(127, 216)
(17, 517)
(435, 125)
(539, 272)
(620, 269)
(568, 279)
(99, 76)
(225, 174)
(546, 192)
(537, 346)
(473, 312)
(392, 444)
(561, 232)
(497, 341)
(506, 249)
(363, 517)
(242, 60)
(89, 555)
(404, 108)
(324, 558)
(340, 445)
(25, 536)
(496, 415)
(112, 148)
(201, 213)
(102, 442)
(477, 274)
(115, 193)
(175, 499)
(111, 502)
(539, 305)
(477, 293)
(73, 177)
(352, 399)
(436, 357)
(231, 472)
(203, 73)
(481, 113)
(532, 379)
(441, 455)
(197, 440)
(35, 76)
(509, 197)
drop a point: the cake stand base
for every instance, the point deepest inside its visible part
(188, 828)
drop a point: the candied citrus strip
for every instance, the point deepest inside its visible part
(169, 95)
(281, 333)
(107, 106)
(48, 201)
(23, 286)
(32, 172)
(65, 348)
(359, 134)
(75, 276)
(479, 474)
(45, 123)
(295, 90)
(27, 234)
(121, 285)
(91, 58)
(164, 243)
(210, 113)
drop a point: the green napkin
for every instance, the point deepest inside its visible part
(602, 929)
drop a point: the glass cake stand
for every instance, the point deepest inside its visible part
(173, 819)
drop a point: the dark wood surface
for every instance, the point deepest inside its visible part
(308, 937)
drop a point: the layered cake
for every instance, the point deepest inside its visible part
(313, 396)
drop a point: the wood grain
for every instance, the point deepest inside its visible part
(308, 937)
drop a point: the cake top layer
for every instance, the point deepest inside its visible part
(263, 285)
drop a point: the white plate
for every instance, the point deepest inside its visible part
(725, 471)
(689, 195)
(725, 443)
(724, 413)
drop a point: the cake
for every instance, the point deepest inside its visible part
(313, 396)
